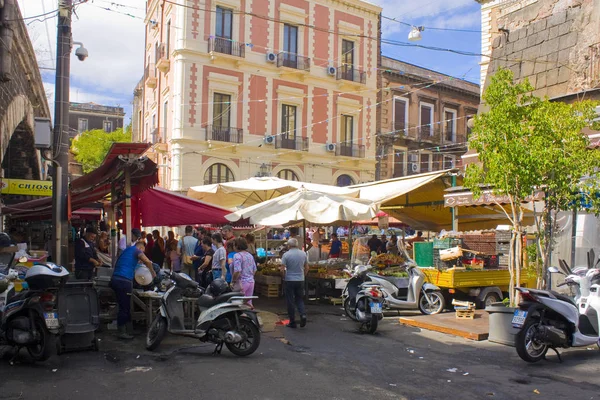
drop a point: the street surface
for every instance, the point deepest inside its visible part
(329, 359)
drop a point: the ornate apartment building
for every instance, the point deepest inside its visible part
(236, 88)
(422, 119)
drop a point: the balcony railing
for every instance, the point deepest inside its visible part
(155, 136)
(150, 75)
(224, 134)
(226, 46)
(350, 150)
(429, 134)
(297, 143)
(162, 57)
(291, 60)
(349, 73)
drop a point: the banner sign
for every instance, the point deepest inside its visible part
(486, 198)
(25, 187)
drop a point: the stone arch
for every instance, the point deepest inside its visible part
(233, 167)
(292, 168)
(20, 110)
(351, 174)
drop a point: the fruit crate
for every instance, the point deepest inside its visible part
(502, 248)
(268, 291)
(446, 243)
(503, 236)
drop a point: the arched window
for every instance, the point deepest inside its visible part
(288, 174)
(344, 180)
(218, 173)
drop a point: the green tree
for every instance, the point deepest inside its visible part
(525, 145)
(91, 147)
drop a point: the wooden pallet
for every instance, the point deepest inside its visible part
(465, 314)
(269, 291)
(336, 301)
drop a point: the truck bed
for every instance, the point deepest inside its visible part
(463, 279)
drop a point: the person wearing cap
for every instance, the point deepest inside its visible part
(295, 265)
(86, 258)
(122, 281)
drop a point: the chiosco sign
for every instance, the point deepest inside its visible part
(25, 187)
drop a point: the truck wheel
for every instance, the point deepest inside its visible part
(488, 300)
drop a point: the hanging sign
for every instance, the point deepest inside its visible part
(25, 187)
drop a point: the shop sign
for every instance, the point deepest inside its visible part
(486, 198)
(25, 187)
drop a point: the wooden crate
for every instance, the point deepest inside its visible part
(336, 301)
(267, 279)
(465, 314)
(268, 291)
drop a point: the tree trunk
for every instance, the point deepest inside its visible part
(511, 267)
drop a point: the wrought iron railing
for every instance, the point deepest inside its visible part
(224, 134)
(350, 150)
(292, 143)
(350, 73)
(226, 46)
(292, 60)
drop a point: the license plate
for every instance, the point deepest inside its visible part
(51, 320)
(376, 308)
(519, 318)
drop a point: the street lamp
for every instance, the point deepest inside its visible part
(60, 151)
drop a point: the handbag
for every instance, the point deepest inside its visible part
(185, 258)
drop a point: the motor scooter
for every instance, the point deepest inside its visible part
(409, 293)
(549, 320)
(224, 318)
(363, 299)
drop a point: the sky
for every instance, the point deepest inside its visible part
(115, 42)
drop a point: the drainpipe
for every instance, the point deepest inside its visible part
(7, 14)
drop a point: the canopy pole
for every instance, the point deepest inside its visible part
(574, 238)
(113, 224)
(304, 233)
(128, 216)
(454, 209)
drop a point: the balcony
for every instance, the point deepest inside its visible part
(224, 134)
(348, 73)
(291, 60)
(429, 134)
(350, 150)
(226, 46)
(150, 76)
(297, 143)
(162, 58)
(154, 136)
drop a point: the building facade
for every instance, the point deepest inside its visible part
(235, 89)
(88, 116)
(422, 119)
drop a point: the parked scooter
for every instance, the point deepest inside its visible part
(550, 320)
(30, 319)
(363, 299)
(410, 293)
(224, 317)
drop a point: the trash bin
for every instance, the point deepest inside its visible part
(79, 316)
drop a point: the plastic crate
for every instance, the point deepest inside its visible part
(503, 236)
(502, 248)
(446, 243)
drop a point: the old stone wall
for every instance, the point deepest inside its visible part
(553, 43)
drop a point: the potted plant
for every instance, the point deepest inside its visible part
(527, 146)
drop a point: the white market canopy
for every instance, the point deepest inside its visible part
(311, 206)
(253, 191)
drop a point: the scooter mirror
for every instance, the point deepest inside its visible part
(553, 270)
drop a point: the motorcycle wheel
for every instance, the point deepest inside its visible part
(527, 347)
(349, 310)
(372, 324)
(437, 305)
(251, 339)
(43, 349)
(156, 332)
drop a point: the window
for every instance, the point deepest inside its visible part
(347, 60)
(165, 113)
(218, 173)
(82, 125)
(398, 163)
(400, 115)
(221, 118)
(153, 121)
(290, 46)
(425, 162)
(224, 24)
(107, 126)
(450, 125)
(288, 174)
(156, 52)
(448, 162)
(288, 127)
(344, 180)
(426, 119)
(346, 135)
(168, 40)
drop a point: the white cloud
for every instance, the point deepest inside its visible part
(115, 43)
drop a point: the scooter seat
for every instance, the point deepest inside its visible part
(563, 297)
(207, 301)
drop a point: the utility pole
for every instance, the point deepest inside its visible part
(60, 150)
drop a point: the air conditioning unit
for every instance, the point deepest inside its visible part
(330, 147)
(331, 70)
(153, 24)
(413, 167)
(412, 157)
(270, 139)
(271, 57)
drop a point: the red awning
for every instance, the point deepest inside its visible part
(160, 207)
(96, 185)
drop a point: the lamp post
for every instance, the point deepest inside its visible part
(60, 146)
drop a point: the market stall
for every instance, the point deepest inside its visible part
(300, 207)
